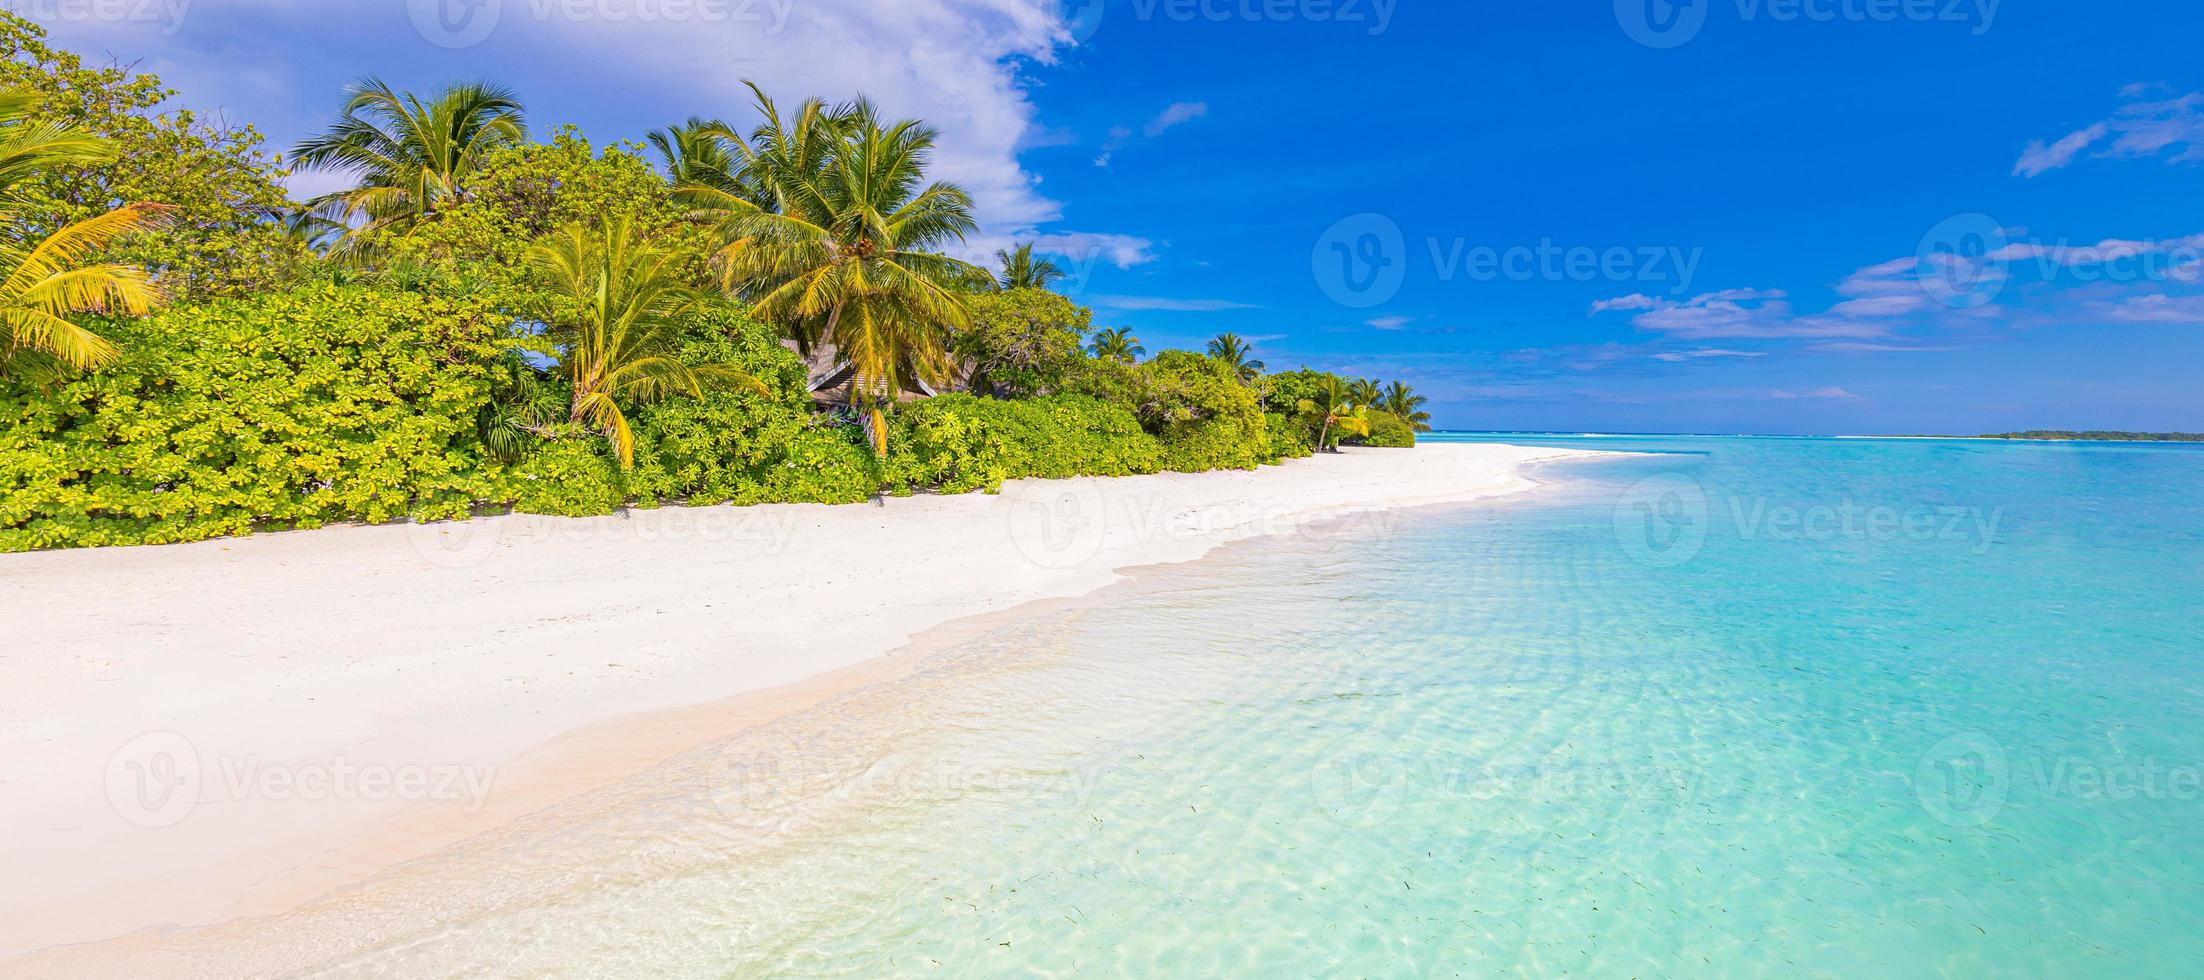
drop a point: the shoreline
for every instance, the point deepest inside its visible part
(804, 637)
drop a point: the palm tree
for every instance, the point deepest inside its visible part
(701, 163)
(1401, 400)
(1364, 391)
(848, 248)
(1022, 271)
(44, 282)
(1237, 354)
(412, 158)
(27, 148)
(1333, 407)
(617, 342)
(1116, 344)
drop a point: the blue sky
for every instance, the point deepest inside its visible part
(1814, 216)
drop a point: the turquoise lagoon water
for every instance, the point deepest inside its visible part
(1747, 707)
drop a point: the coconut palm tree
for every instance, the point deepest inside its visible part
(1020, 270)
(702, 163)
(1401, 400)
(46, 281)
(411, 157)
(618, 334)
(1237, 354)
(1116, 344)
(849, 250)
(1335, 411)
(1365, 391)
(27, 147)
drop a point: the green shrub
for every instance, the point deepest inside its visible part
(291, 409)
(1290, 437)
(717, 447)
(566, 477)
(962, 443)
(1387, 430)
(1197, 409)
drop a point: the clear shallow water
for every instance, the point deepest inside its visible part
(1754, 706)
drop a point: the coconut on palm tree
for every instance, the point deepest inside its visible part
(620, 329)
(411, 157)
(44, 282)
(1401, 400)
(1336, 413)
(1020, 270)
(1237, 354)
(848, 247)
(1116, 344)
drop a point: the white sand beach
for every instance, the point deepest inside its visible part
(198, 732)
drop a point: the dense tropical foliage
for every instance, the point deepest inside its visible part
(485, 321)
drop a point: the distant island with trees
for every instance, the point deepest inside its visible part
(2062, 435)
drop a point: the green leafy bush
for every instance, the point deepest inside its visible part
(1290, 438)
(1387, 430)
(962, 443)
(566, 477)
(292, 409)
(1197, 409)
(715, 448)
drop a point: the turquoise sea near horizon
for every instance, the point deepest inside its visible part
(1737, 707)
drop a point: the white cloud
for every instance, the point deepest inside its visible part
(1389, 322)
(1178, 112)
(2038, 157)
(2137, 129)
(1704, 353)
(1830, 392)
